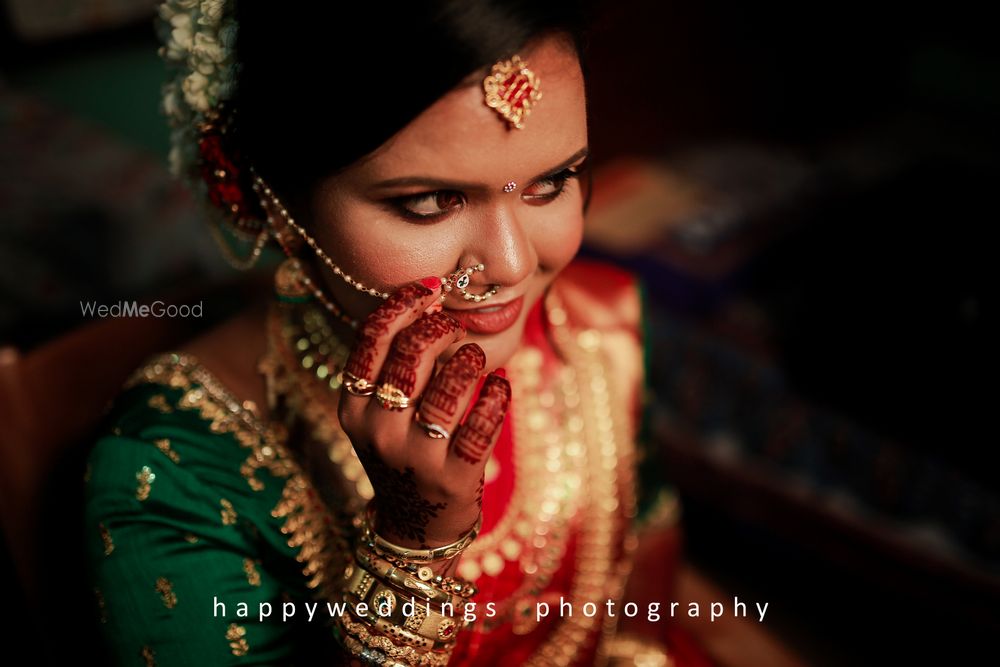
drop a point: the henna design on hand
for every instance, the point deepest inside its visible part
(377, 325)
(400, 509)
(409, 346)
(480, 490)
(487, 415)
(440, 403)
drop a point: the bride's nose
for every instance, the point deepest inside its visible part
(504, 247)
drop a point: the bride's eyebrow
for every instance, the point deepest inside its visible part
(443, 184)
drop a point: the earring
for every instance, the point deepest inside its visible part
(460, 279)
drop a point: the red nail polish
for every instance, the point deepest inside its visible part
(433, 282)
(502, 372)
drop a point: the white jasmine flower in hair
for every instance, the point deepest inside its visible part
(211, 11)
(166, 11)
(195, 93)
(182, 34)
(171, 100)
(207, 48)
(205, 67)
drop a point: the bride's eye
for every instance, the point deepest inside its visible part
(429, 205)
(551, 187)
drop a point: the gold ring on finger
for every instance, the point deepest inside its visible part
(435, 431)
(358, 386)
(391, 397)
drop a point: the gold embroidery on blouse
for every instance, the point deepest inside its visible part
(159, 402)
(253, 576)
(148, 655)
(145, 477)
(191, 538)
(163, 444)
(109, 545)
(100, 605)
(86, 473)
(236, 634)
(321, 547)
(166, 591)
(116, 431)
(228, 513)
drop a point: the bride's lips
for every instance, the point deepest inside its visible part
(489, 319)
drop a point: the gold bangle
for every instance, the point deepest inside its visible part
(399, 635)
(425, 620)
(421, 644)
(446, 552)
(401, 579)
(452, 585)
(359, 640)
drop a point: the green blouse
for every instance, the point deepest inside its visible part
(180, 507)
(200, 526)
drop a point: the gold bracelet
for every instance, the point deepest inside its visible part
(389, 603)
(401, 579)
(453, 586)
(446, 552)
(378, 650)
(377, 639)
(397, 636)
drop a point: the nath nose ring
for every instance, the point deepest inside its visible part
(460, 279)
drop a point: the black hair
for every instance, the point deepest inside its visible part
(319, 87)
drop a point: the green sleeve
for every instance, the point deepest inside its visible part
(657, 498)
(174, 527)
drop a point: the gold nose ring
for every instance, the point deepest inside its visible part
(459, 280)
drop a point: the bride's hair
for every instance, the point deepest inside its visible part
(320, 87)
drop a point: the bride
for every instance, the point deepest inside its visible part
(437, 405)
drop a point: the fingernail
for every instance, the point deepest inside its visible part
(431, 282)
(502, 372)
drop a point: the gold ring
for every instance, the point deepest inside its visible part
(358, 386)
(435, 431)
(391, 397)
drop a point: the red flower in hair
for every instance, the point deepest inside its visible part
(222, 175)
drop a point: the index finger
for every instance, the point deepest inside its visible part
(376, 333)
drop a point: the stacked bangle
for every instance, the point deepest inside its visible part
(377, 587)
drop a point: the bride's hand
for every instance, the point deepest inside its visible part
(428, 491)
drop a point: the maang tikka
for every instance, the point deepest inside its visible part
(458, 280)
(511, 89)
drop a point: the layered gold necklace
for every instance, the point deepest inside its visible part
(572, 459)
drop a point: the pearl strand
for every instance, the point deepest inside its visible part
(261, 188)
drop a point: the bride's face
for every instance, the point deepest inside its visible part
(432, 199)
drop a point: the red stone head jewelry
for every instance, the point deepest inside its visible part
(511, 89)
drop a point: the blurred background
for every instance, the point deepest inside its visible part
(805, 191)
